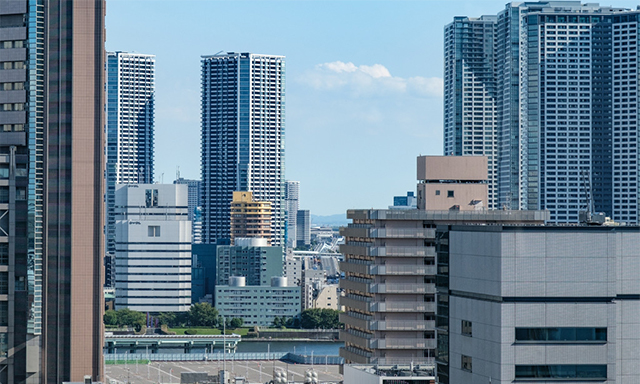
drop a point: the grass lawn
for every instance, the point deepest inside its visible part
(211, 331)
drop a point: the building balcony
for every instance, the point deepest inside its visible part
(347, 266)
(402, 233)
(403, 306)
(354, 285)
(420, 270)
(361, 305)
(415, 288)
(355, 355)
(408, 251)
(402, 325)
(354, 337)
(406, 343)
(355, 320)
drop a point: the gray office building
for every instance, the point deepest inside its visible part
(243, 125)
(544, 304)
(548, 91)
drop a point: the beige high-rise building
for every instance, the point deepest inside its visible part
(250, 218)
(390, 262)
(51, 190)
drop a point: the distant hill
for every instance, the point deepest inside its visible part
(330, 221)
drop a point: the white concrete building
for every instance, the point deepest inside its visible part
(153, 248)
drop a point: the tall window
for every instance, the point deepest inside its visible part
(466, 363)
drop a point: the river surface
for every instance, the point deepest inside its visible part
(319, 348)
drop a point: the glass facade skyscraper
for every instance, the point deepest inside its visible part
(243, 126)
(130, 122)
(51, 190)
(557, 83)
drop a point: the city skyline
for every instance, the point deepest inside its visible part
(354, 69)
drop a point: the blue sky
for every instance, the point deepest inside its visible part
(364, 84)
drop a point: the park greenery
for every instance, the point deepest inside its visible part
(312, 318)
(204, 316)
(199, 315)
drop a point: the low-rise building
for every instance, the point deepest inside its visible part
(257, 305)
(252, 258)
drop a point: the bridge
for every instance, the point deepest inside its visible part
(153, 343)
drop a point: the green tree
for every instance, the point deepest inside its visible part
(129, 318)
(203, 315)
(322, 318)
(277, 322)
(236, 322)
(167, 318)
(110, 318)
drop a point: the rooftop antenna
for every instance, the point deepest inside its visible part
(177, 172)
(587, 190)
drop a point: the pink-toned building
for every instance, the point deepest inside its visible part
(452, 183)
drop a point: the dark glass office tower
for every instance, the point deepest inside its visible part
(51, 190)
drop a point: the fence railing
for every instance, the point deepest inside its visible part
(132, 358)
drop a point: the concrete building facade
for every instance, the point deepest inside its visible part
(544, 304)
(153, 248)
(258, 305)
(389, 283)
(243, 125)
(452, 183)
(251, 258)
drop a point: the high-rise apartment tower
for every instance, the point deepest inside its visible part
(130, 119)
(51, 190)
(243, 122)
(548, 91)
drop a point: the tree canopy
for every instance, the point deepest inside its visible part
(319, 318)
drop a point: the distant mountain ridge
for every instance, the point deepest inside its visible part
(330, 220)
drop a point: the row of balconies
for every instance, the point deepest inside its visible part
(367, 322)
(371, 269)
(355, 355)
(360, 338)
(408, 288)
(406, 251)
(390, 306)
(389, 233)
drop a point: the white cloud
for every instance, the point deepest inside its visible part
(369, 80)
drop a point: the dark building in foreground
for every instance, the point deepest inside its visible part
(51, 190)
